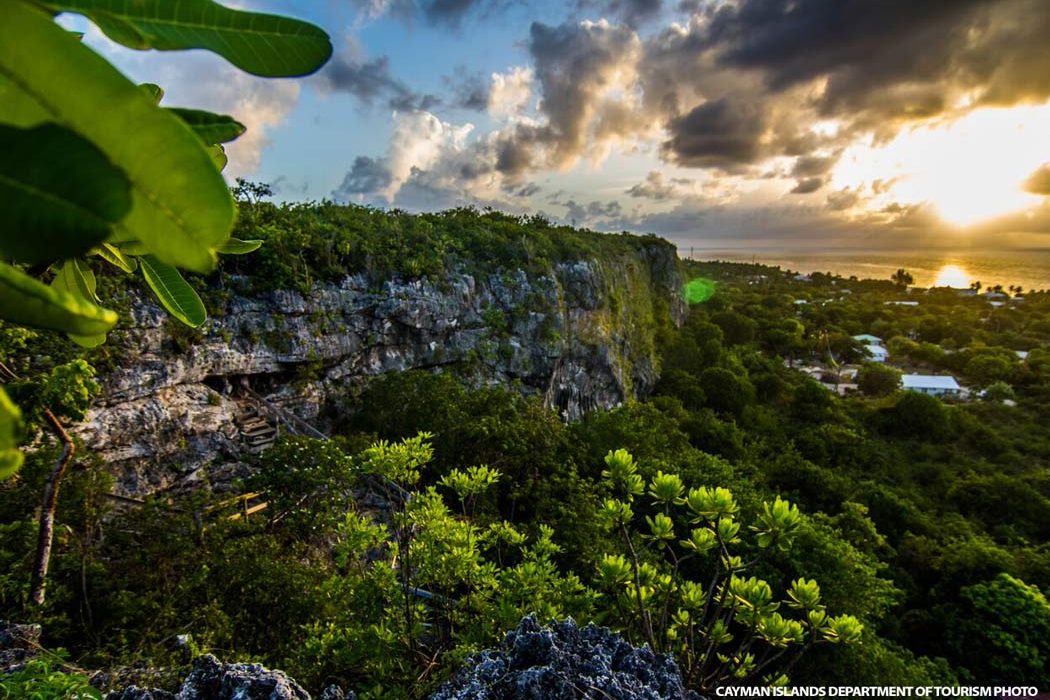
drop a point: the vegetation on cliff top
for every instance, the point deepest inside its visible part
(312, 242)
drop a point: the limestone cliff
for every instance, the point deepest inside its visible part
(582, 335)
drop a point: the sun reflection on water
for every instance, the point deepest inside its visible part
(953, 276)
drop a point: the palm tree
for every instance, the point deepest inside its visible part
(902, 278)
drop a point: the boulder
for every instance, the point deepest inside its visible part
(566, 662)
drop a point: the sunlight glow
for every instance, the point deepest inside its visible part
(970, 169)
(953, 276)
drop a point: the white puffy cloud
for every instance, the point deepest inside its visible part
(510, 92)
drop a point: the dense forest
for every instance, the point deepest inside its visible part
(805, 534)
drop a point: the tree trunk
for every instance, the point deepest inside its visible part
(47, 513)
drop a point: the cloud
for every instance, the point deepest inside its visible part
(843, 199)
(896, 60)
(765, 94)
(1039, 181)
(718, 133)
(658, 188)
(469, 90)
(366, 176)
(585, 76)
(446, 13)
(370, 80)
(420, 140)
(633, 13)
(812, 166)
(808, 185)
(510, 92)
(204, 82)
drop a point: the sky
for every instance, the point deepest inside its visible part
(790, 124)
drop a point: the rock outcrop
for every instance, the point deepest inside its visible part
(18, 644)
(211, 679)
(560, 662)
(566, 662)
(582, 336)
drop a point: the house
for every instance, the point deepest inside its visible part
(901, 303)
(877, 353)
(1023, 354)
(873, 346)
(934, 385)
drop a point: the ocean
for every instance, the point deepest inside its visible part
(1028, 268)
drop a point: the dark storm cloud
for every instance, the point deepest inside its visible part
(631, 12)
(370, 81)
(892, 58)
(719, 133)
(367, 176)
(812, 166)
(573, 63)
(747, 80)
(1039, 181)
(808, 185)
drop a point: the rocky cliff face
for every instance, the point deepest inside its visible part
(581, 335)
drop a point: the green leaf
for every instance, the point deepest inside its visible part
(156, 92)
(175, 293)
(236, 246)
(266, 45)
(210, 128)
(114, 256)
(218, 156)
(181, 208)
(10, 426)
(59, 195)
(25, 301)
(77, 279)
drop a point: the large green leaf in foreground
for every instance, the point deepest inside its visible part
(59, 195)
(177, 296)
(28, 302)
(181, 208)
(266, 45)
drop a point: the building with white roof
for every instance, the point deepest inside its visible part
(877, 353)
(934, 385)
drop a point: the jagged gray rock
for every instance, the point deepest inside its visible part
(577, 336)
(18, 644)
(566, 662)
(211, 679)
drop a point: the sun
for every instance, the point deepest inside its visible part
(969, 170)
(951, 275)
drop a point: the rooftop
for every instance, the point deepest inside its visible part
(929, 381)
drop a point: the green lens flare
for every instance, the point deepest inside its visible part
(699, 290)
